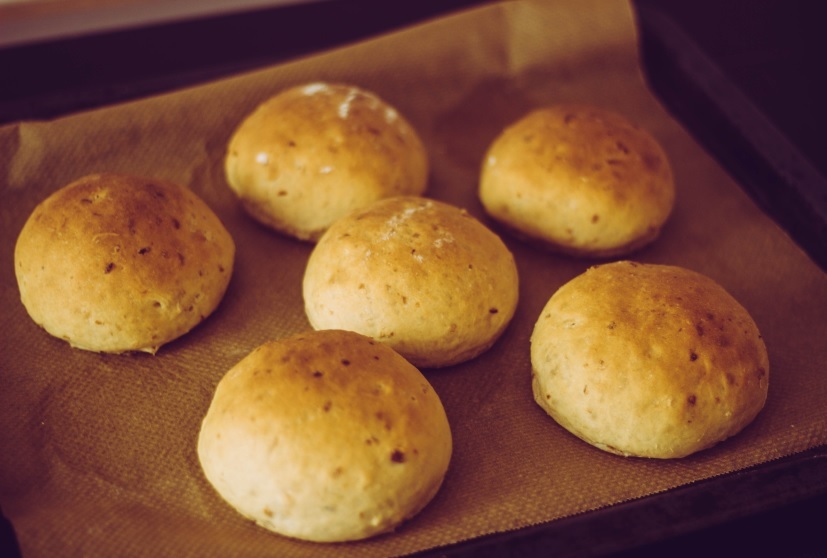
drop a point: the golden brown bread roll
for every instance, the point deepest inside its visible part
(648, 360)
(313, 153)
(579, 179)
(114, 263)
(325, 436)
(423, 276)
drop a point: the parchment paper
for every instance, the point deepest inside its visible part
(97, 452)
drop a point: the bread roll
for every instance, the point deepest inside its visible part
(114, 263)
(648, 360)
(315, 152)
(326, 436)
(423, 276)
(580, 180)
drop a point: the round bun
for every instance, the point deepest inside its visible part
(115, 263)
(315, 152)
(327, 436)
(579, 179)
(648, 360)
(423, 276)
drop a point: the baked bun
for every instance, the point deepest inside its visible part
(423, 276)
(648, 360)
(316, 152)
(326, 436)
(581, 180)
(115, 263)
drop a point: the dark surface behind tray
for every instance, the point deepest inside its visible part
(747, 80)
(769, 51)
(49, 79)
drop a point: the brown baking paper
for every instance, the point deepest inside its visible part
(97, 452)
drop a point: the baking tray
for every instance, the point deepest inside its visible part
(781, 484)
